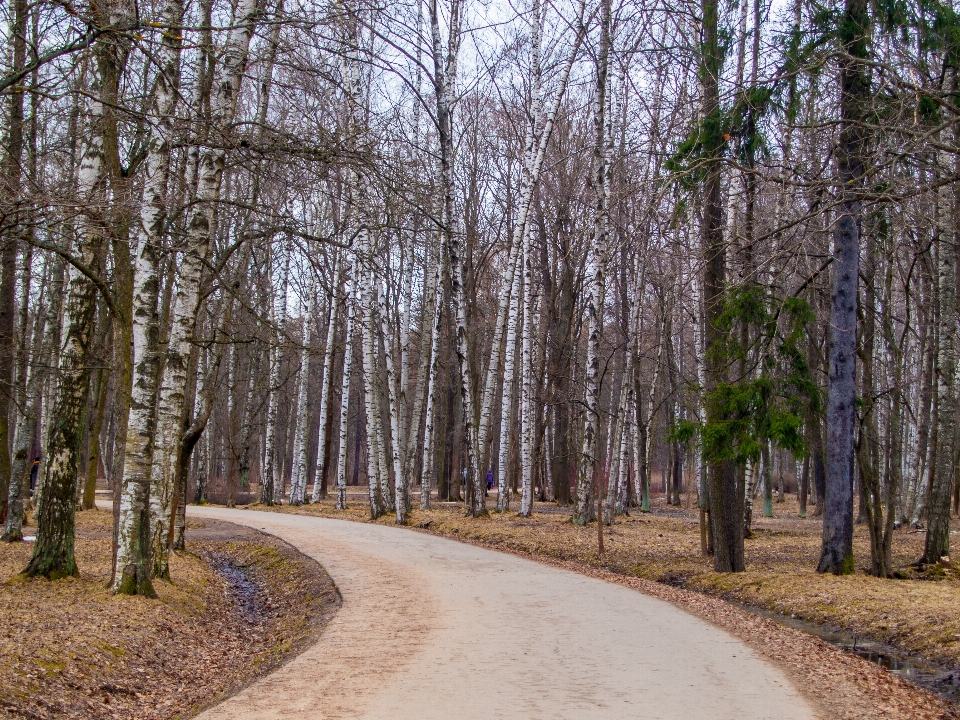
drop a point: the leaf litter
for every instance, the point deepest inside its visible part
(75, 650)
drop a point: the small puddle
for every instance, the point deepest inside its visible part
(928, 675)
(244, 591)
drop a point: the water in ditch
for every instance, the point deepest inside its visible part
(244, 591)
(933, 677)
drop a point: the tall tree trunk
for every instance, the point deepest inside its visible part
(940, 490)
(395, 462)
(327, 389)
(726, 499)
(170, 400)
(431, 390)
(509, 383)
(375, 456)
(596, 278)
(445, 74)
(527, 411)
(349, 273)
(43, 350)
(869, 440)
(303, 426)
(133, 572)
(271, 482)
(9, 242)
(53, 554)
(88, 499)
(837, 552)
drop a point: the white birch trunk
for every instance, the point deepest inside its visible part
(301, 445)
(345, 385)
(325, 391)
(425, 478)
(616, 447)
(272, 469)
(406, 281)
(506, 401)
(133, 570)
(199, 229)
(271, 491)
(595, 282)
(431, 291)
(396, 465)
(527, 411)
(377, 500)
(623, 457)
(526, 396)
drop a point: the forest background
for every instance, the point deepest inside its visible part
(279, 246)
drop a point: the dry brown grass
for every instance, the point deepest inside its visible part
(72, 649)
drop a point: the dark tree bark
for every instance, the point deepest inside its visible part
(837, 552)
(726, 499)
(12, 177)
(941, 483)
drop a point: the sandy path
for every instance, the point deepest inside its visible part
(433, 628)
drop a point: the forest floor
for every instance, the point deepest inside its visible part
(72, 649)
(915, 615)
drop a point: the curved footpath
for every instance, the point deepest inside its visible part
(434, 628)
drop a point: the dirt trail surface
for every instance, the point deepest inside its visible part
(432, 628)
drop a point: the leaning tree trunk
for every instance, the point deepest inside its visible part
(521, 231)
(170, 400)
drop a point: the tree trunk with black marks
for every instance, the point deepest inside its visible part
(837, 551)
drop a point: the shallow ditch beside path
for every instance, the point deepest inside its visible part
(936, 678)
(206, 635)
(247, 594)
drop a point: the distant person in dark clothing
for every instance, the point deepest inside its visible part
(489, 479)
(34, 470)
